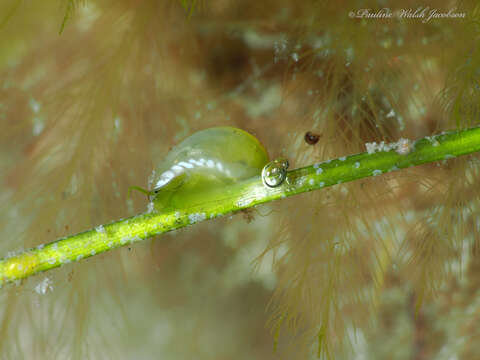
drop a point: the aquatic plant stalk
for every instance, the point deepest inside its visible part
(379, 159)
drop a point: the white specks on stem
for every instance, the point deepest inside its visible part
(374, 147)
(196, 217)
(376, 172)
(100, 229)
(402, 146)
(432, 140)
(300, 181)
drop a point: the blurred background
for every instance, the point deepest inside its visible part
(94, 93)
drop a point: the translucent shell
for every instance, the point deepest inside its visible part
(207, 159)
(275, 173)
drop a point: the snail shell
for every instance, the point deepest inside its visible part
(209, 158)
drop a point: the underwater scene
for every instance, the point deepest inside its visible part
(229, 180)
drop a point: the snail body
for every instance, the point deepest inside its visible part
(207, 159)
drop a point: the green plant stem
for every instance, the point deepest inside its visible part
(232, 198)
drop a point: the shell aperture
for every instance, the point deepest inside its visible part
(207, 159)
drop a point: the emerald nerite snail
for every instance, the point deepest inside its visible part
(211, 158)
